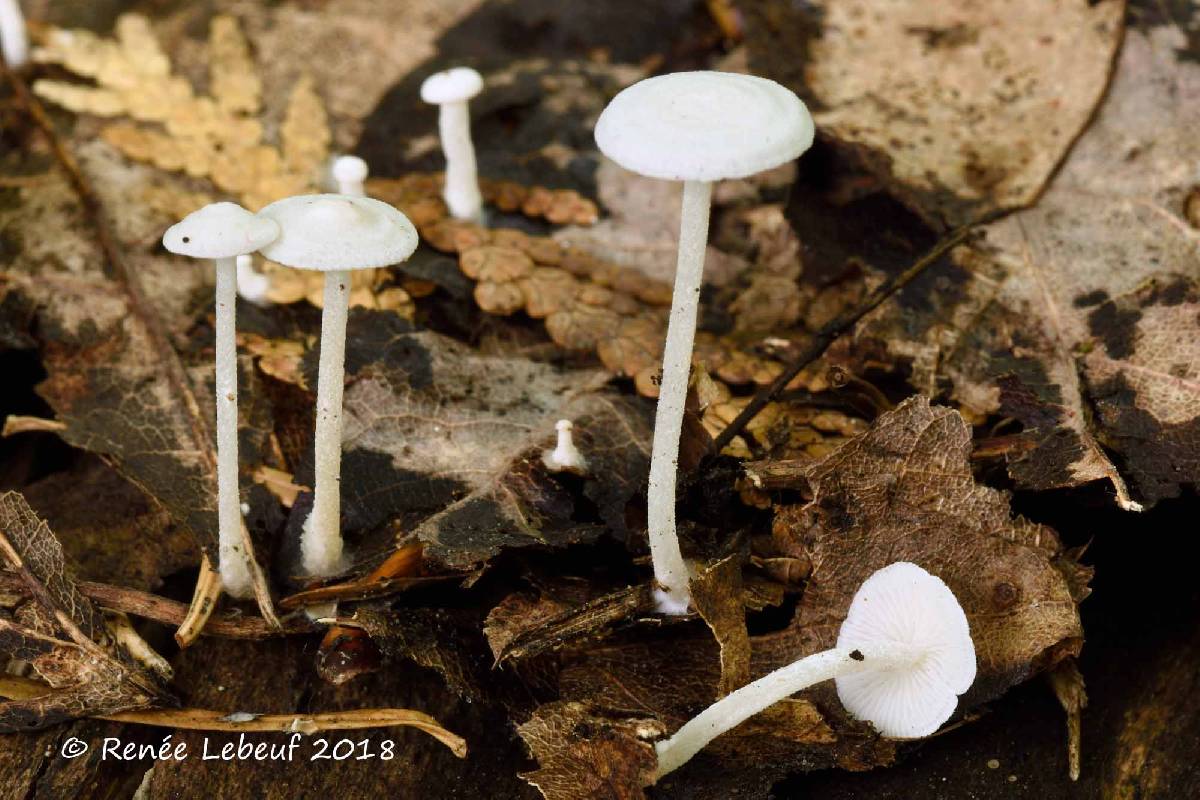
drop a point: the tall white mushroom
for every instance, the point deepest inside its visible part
(225, 232)
(903, 656)
(695, 127)
(450, 91)
(14, 40)
(334, 233)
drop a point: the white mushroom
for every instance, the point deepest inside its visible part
(349, 173)
(334, 233)
(14, 40)
(903, 656)
(223, 232)
(252, 285)
(450, 91)
(565, 457)
(695, 127)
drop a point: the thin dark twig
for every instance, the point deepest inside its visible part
(839, 325)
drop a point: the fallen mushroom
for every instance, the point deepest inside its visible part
(450, 91)
(333, 233)
(695, 127)
(904, 654)
(14, 41)
(223, 232)
(565, 457)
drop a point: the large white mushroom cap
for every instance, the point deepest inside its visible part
(338, 232)
(220, 230)
(704, 126)
(904, 604)
(451, 86)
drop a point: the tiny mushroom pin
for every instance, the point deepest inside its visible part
(903, 656)
(450, 91)
(565, 457)
(252, 285)
(333, 233)
(695, 127)
(224, 232)
(14, 41)
(349, 174)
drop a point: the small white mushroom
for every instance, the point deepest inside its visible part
(903, 656)
(349, 174)
(334, 233)
(14, 40)
(450, 91)
(252, 285)
(695, 127)
(565, 457)
(223, 232)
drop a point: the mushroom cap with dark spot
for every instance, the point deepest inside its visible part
(220, 230)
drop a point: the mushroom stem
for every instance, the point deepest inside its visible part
(321, 542)
(14, 41)
(670, 571)
(462, 184)
(232, 556)
(738, 706)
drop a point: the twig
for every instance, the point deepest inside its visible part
(200, 719)
(169, 612)
(143, 311)
(839, 325)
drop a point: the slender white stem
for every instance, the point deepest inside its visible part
(738, 706)
(232, 556)
(669, 568)
(462, 183)
(14, 40)
(321, 543)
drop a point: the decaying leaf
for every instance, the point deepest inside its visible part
(1077, 316)
(62, 634)
(433, 428)
(963, 107)
(582, 755)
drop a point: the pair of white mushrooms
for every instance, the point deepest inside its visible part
(333, 233)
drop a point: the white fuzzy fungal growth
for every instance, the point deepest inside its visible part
(903, 657)
(450, 91)
(226, 232)
(695, 127)
(334, 233)
(565, 457)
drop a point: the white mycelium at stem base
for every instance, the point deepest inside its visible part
(225, 232)
(450, 91)
(904, 655)
(695, 127)
(334, 233)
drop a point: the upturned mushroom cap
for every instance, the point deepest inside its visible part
(451, 86)
(220, 230)
(338, 232)
(704, 126)
(904, 604)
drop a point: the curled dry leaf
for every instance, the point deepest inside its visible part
(64, 636)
